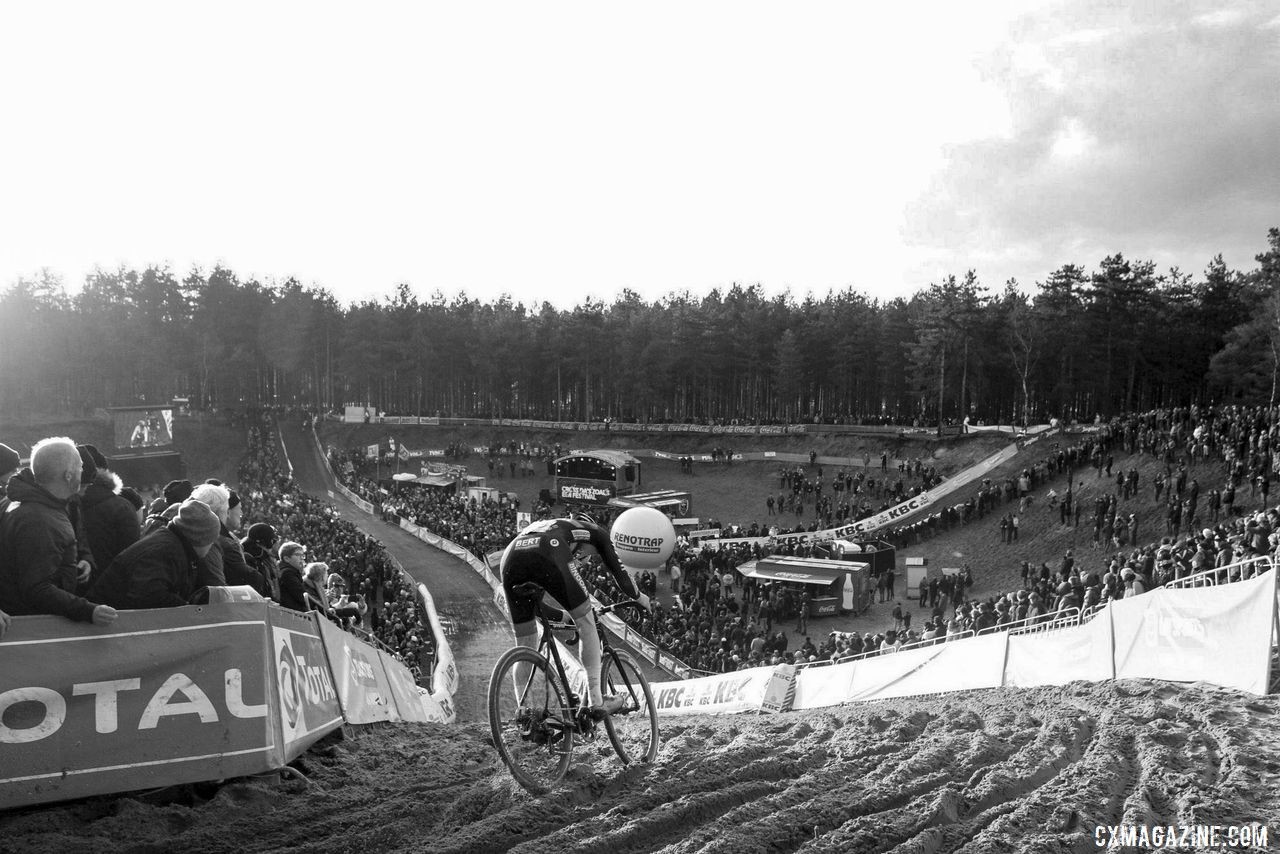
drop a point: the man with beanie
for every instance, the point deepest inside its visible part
(176, 491)
(163, 569)
(259, 553)
(38, 568)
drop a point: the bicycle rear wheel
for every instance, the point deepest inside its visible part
(531, 721)
(633, 729)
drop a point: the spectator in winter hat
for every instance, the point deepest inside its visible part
(176, 491)
(258, 547)
(39, 572)
(162, 570)
(128, 493)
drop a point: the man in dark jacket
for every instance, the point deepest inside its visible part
(38, 561)
(161, 570)
(110, 520)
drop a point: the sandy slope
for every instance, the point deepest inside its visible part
(1002, 770)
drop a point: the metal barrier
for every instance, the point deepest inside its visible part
(1244, 569)
(1038, 623)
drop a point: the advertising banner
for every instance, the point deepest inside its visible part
(404, 690)
(362, 684)
(578, 490)
(1218, 634)
(309, 707)
(818, 687)
(725, 693)
(780, 693)
(161, 697)
(371, 452)
(875, 678)
(1062, 655)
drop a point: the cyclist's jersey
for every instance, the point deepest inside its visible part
(544, 553)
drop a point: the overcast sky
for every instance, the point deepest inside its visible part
(559, 151)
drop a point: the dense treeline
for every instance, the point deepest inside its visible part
(1084, 342)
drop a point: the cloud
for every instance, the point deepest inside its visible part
(1151, 133)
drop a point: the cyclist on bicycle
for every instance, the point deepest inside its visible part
(548, 552)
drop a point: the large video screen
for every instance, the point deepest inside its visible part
(143, 428)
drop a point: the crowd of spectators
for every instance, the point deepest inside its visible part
(80, 544)
(480, 524)
(719, 621)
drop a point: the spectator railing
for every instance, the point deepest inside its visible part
(1223, 574)
(1038, 623)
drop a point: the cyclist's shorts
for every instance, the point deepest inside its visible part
(561, 583)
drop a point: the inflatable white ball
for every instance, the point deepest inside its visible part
(643, 537)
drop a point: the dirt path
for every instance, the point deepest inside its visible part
(476, 630)
(989, 771)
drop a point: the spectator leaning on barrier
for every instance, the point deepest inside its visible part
(163, 569)
(38, 560)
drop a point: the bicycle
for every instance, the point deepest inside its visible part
(534, 722)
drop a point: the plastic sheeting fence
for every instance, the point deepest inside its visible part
(1221, 635)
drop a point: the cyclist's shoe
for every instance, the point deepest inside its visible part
(608, 706)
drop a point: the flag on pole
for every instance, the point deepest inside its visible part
(371, 452)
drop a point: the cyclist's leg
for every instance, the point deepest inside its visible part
(527, 636)
(589, 649)
(514, 574)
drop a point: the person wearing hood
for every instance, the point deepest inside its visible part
(110, 521)
(38, 559)
(163, 569)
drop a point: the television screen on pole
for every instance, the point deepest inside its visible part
(140, 427)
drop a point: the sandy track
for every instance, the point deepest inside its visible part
(1003, 770)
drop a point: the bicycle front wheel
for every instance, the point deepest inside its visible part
(634, 728)
(530, 719)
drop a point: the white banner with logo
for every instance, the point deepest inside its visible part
(1216, 634)
(725, 693)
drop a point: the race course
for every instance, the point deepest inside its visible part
(989, 771)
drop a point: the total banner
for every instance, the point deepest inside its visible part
(160, 697)
(309, 707)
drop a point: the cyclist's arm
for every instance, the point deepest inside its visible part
(600, 540)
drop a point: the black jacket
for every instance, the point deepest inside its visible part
(110, 522)
(38, 553)
(159, 571)
(293, 589)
